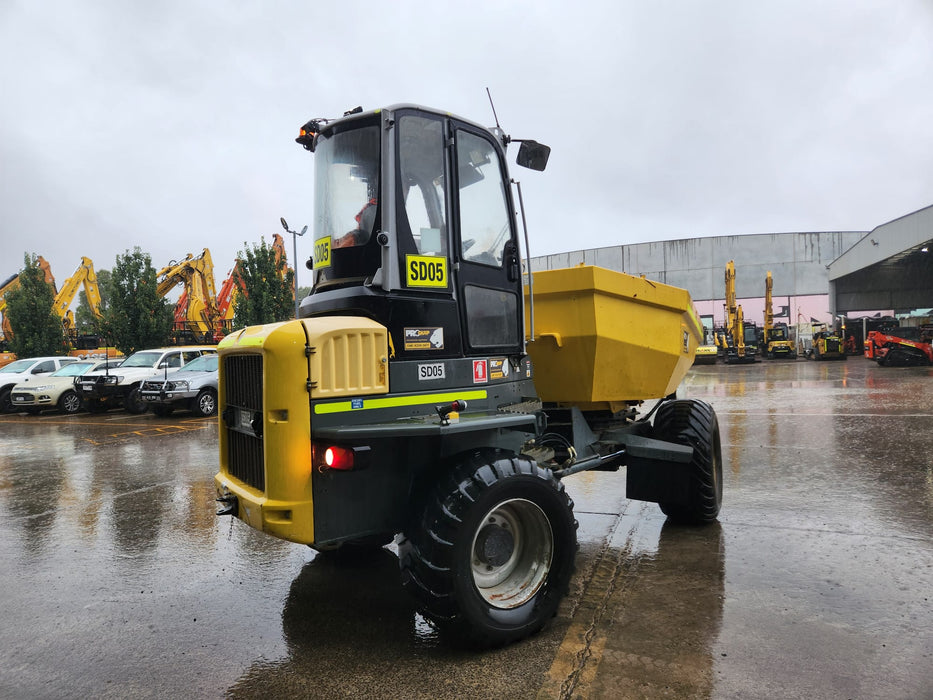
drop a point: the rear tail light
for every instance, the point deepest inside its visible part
(340, 457)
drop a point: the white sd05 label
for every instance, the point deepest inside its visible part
(435, 370)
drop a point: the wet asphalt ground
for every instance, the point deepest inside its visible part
(117, 580)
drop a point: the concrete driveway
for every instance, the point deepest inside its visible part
(119, 581)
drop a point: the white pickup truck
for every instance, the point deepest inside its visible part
(102, 390)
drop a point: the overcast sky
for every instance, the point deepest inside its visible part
(171, 125)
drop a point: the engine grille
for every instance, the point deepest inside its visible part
(243, 375)
(243, 388)
(245, 459)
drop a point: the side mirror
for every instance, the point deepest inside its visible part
(534, 155)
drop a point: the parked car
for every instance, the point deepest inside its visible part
(193, 387)
(102, 390)
(18, 371)
(56, 390)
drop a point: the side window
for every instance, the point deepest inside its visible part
(484, 216)
(190, 355)
(43, 367)
(421, 174)
(491, 316)
(173, 360)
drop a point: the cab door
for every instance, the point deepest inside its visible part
(488, 277)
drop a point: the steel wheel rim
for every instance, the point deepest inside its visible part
(511, 553)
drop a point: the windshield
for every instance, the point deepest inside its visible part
(205, 363)
(72, 369)
(346, 172)
(142, 359)
(18, 366)
(778, 334)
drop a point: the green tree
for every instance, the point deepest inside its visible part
(37, 329)
(136, 317)
(269, 287)
(85, 320)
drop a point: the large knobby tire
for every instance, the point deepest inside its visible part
(205, 403)
(134, 403)
(694, 423)
(69, 402)
(492, 554)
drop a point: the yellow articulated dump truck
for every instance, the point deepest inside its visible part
(432, 393)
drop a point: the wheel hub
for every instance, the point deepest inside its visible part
(494, 545)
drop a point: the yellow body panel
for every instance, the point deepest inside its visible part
(349, 358)
(604, 338)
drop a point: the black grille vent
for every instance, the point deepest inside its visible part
(243, 389)
(245, 459)
(243, 378)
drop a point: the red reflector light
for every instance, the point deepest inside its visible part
(338, 458)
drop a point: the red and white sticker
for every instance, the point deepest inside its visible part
(480, 372)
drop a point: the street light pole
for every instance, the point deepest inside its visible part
(295, 235)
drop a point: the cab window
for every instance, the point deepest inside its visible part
(346, 205)
(421, 175)
(484, 217)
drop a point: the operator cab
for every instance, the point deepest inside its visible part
(414, 228)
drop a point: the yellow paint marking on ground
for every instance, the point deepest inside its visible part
(147, 432)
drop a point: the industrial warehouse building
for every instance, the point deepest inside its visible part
(817, 277)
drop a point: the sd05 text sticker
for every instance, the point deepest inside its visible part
(426, 271)
(435, 370)
(322, 252)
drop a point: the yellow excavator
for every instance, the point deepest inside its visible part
(86, 276)
(775, 337)
(12, 283)
(196, 275)
(733, 341)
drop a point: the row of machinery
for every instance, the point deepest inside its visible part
(200, 314)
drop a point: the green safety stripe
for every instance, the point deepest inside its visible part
(397, 401)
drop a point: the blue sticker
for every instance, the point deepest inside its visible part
(356, 403)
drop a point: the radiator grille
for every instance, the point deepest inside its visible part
(243, 377)
(243, 390)
(245, 459)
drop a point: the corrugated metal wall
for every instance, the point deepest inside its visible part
(797, 262)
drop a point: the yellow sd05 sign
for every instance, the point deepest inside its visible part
(426, 271)
(322, 252)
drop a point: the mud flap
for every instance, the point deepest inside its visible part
(657, 471)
